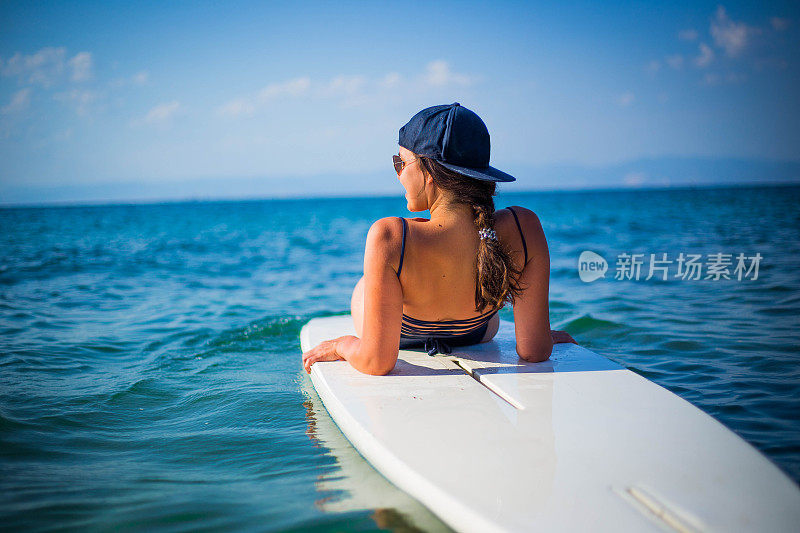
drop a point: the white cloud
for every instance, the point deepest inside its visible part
(64, 135)
(779, 24)
(390, 81)
(734, 77)
(706, 56)
(162, 113)
(82, 99)
(47, 66)
(717, 79)
(675, 61)
(634, 179)
(140, 78)
(42, 67)
(731, 36)
(653, 66)
(711, 78)
(438, 74)
(247, 105)
(625, 99)
(19, 102)
(236, 107)
(81, 65)
(294, 87)
(687, 35)
(348, 89)
(344, 86)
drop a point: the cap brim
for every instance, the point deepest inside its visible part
(485, 174)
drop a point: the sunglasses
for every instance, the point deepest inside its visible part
(399, 164)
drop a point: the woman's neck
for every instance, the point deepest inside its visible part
(447, 212)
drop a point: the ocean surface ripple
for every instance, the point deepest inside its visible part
(150, 370)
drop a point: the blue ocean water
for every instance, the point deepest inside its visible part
(150, 373)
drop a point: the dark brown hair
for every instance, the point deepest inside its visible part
(497, 279)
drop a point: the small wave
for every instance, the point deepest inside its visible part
(187, 339)
(682, 345)
(8, 423)
(266, 328)
(622, 307)
(789, 300)
(143, 393)
(588, 324)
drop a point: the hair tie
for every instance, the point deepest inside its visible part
(486, 233)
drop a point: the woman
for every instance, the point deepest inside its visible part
(439, 283)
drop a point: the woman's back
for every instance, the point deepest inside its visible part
(439, 271)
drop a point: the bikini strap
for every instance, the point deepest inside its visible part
(524, 246)
(403, 247)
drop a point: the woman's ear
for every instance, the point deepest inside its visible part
(432, 191)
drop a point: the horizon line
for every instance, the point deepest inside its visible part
(326, 196)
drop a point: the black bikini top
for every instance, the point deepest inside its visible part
(413, 327)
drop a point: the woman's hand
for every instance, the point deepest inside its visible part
(561, 336)
(324, 351)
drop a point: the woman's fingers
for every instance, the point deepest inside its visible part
(324, 351)
(309, 359)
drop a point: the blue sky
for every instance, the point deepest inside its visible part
(108, 100)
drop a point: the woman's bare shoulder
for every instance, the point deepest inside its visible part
(529, 223)
(385, 230)
(384, 240)
(525, 215)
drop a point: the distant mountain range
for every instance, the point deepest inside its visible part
(662, 172)
(656, 172)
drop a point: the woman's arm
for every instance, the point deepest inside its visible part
(376, 352)
(531, 308)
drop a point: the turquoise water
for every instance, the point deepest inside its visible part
(150, 370)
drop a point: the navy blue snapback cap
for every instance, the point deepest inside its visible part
(455, 137)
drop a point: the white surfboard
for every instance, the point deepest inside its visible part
(351, 485)
(489, 442)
